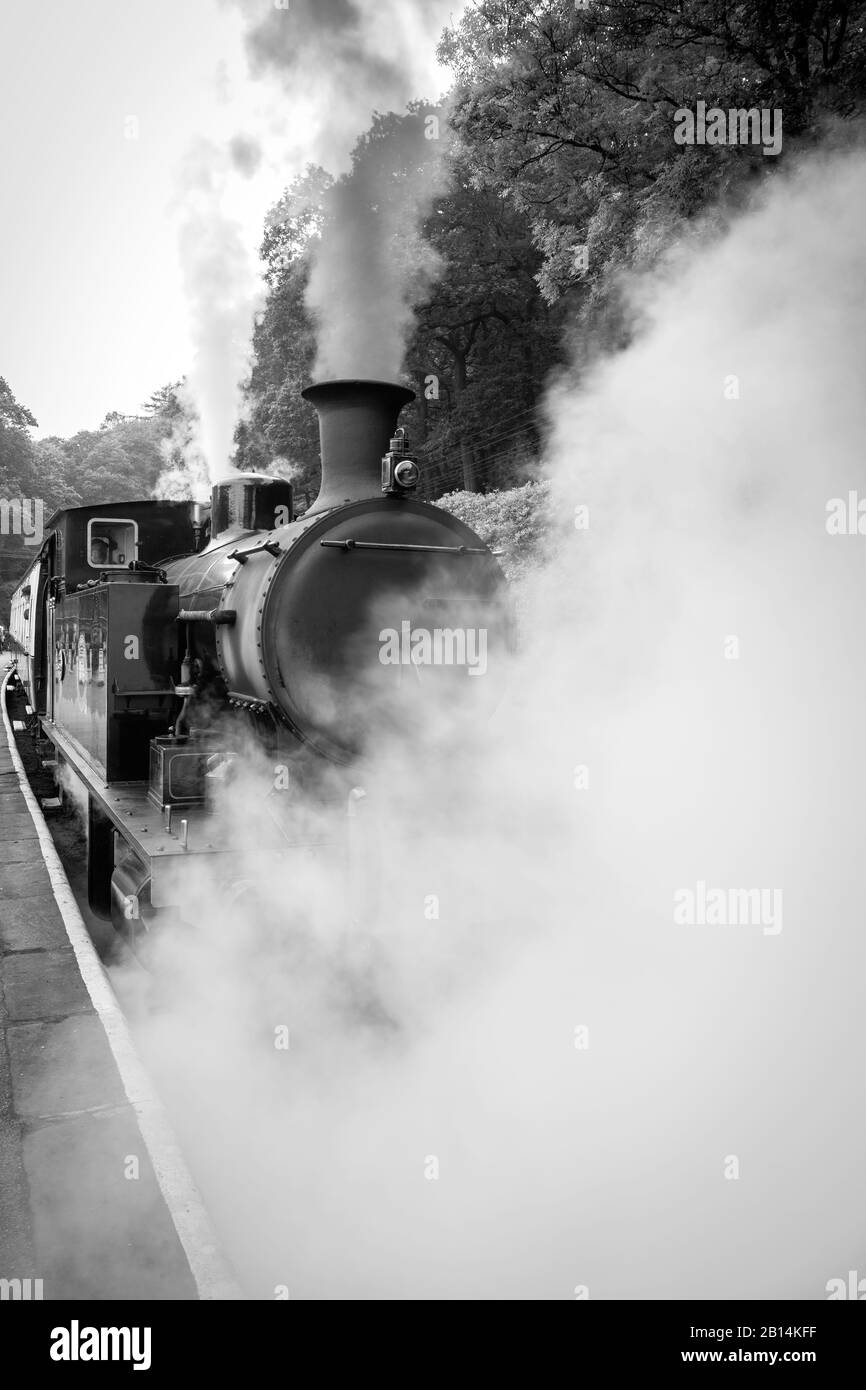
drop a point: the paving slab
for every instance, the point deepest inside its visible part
(62, 1068)
(24, 881)
(21, 852)
(17, 1258)
(43, 985)
(28, 924)
(97, 1232)
(17, 825)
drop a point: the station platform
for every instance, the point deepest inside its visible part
(96, 1202)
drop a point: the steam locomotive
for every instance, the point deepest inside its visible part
(155, 639)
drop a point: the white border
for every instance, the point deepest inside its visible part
(212, 1275)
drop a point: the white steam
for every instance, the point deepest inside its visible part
(325, 67)
(371, 267)
(341, 61)
(453, 1037)
(185, 474)
(224, 291)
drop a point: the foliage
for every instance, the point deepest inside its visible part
(279, 424)
(566, 110)
(121, 460)
(557, 136)
(515, 522)
(482, 340)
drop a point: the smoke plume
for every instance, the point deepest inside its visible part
(526, 1078)
(185, 474)
(372, 264)
(339, 63)
(324, 68)
(224, 291)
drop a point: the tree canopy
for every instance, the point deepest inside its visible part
(553, 170)
(123, 459)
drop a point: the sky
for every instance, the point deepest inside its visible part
(93, 317)
(100, 105)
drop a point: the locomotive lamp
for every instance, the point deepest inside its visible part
(407, 474)
(400, 472)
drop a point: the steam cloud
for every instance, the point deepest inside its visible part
(185, 474)
(336, 62)
(223, 288)
(341, 61)
(371, 266)
(561, 1166)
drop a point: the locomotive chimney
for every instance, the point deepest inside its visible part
(356, 422)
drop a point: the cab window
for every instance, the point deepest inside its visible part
(111, 543)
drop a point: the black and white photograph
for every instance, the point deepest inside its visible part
(432, 671)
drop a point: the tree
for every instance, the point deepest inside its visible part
(165, 402)
(52, 468)
(481, 338)
(516, 522)
(567, 111)
(118, 464)
(16, 449)
(486, 336)
(18, 482)
(279, 424)
(12, 414)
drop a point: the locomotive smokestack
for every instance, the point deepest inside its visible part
(356, 422)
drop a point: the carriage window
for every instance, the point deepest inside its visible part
(111, 544)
